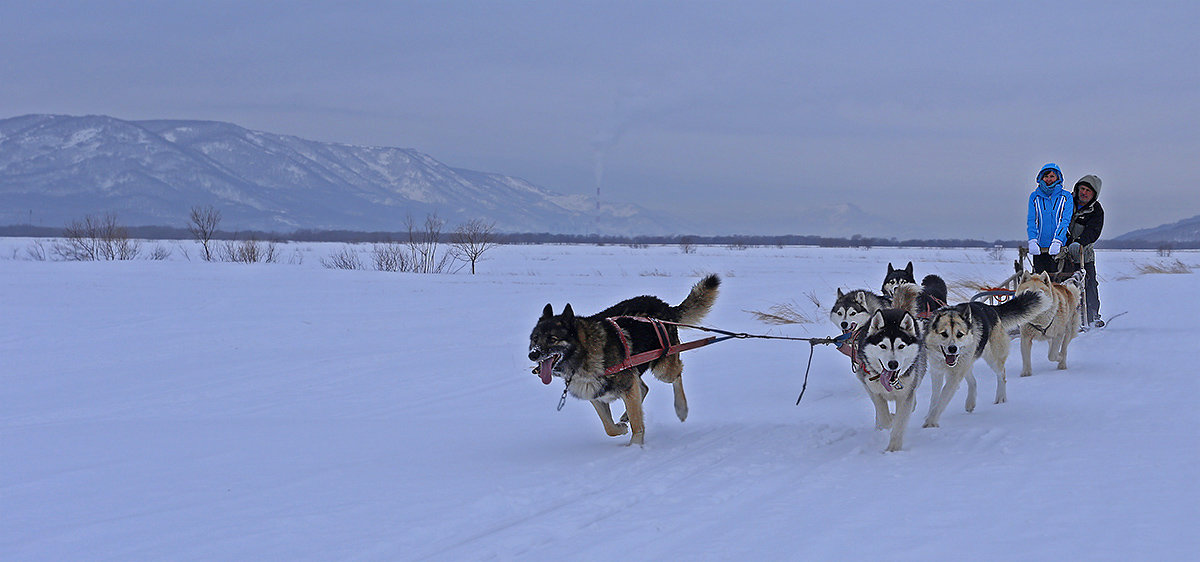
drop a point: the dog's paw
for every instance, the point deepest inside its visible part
(970, 404)
(1001, 399)
(638, 439)
(618, 430)
(681, 412)
(930, 424)
(1062, 365)
(1026, 373)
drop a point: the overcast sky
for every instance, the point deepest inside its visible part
(739, 114)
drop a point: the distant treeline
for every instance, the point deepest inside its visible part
(350, 236)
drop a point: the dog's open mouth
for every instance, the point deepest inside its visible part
(889, 379)
(951, 358)
(545, 367)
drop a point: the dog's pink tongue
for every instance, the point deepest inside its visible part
(544, 370)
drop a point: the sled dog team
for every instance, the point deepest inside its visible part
(891, 338)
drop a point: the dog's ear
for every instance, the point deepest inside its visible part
(840, 294)
(966, 313)
(548, 311)
(908, 323)
(890, 269)
(909, 268)
(860, 298)
(567, 313)
(876, 323)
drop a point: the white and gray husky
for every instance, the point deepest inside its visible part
(854, 308)
(958, 335)
(889, 361)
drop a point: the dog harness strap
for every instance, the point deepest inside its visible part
(647, 356)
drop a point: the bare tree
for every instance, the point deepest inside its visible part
(202, 223)
(96, 239)
(687, 244)
(423, 246)
(472, 239)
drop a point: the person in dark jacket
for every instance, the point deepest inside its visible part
(1086, 224)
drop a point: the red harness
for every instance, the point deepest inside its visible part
(664, 347)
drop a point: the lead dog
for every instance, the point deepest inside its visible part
(1058, 324)
(579, 349)
(960, 334)
(889, 362)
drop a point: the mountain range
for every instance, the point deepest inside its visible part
(1186, 230)
(58, 168)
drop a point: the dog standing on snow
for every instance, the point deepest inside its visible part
(582, 349)
(889, 362)
(958, 335)
(1058, 324)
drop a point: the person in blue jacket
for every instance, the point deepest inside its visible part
(1050, 208)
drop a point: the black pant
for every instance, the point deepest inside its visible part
(1091, 287)
(1044, 263)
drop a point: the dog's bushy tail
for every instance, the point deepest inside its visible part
(935, 287)
(1022, 308)
(905, 297)
(699, 301)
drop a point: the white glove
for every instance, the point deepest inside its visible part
(1034, 249)
(1055, 247)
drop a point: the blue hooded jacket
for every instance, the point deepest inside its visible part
(1050, 208)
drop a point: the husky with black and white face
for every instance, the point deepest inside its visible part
(852, 310)
(890, 364)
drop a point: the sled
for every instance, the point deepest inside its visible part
(1007, 288)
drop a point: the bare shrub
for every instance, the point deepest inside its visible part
(472, 239)
(997, 252)
(687, 244)
(1164, 251)
(159, 253)
(784, 313)
(36, 251)
(1174, 266)
(202, 223)
(250, 250)
(346, 258)
(391, 256)
(96, 239)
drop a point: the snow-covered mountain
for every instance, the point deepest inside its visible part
(1186, 230)
(58, 168)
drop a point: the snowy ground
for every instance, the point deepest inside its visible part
(181, 410)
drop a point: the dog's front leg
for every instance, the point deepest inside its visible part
(883, 417)
(936, 379)
(970, 389)
(900, 422)
(605, 413)
(633, 409)
(1026, 352)
(943, 399)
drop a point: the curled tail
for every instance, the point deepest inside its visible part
(935, 287)
(699, 301)
(1022, 308)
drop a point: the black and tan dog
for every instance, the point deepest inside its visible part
(583, 349)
